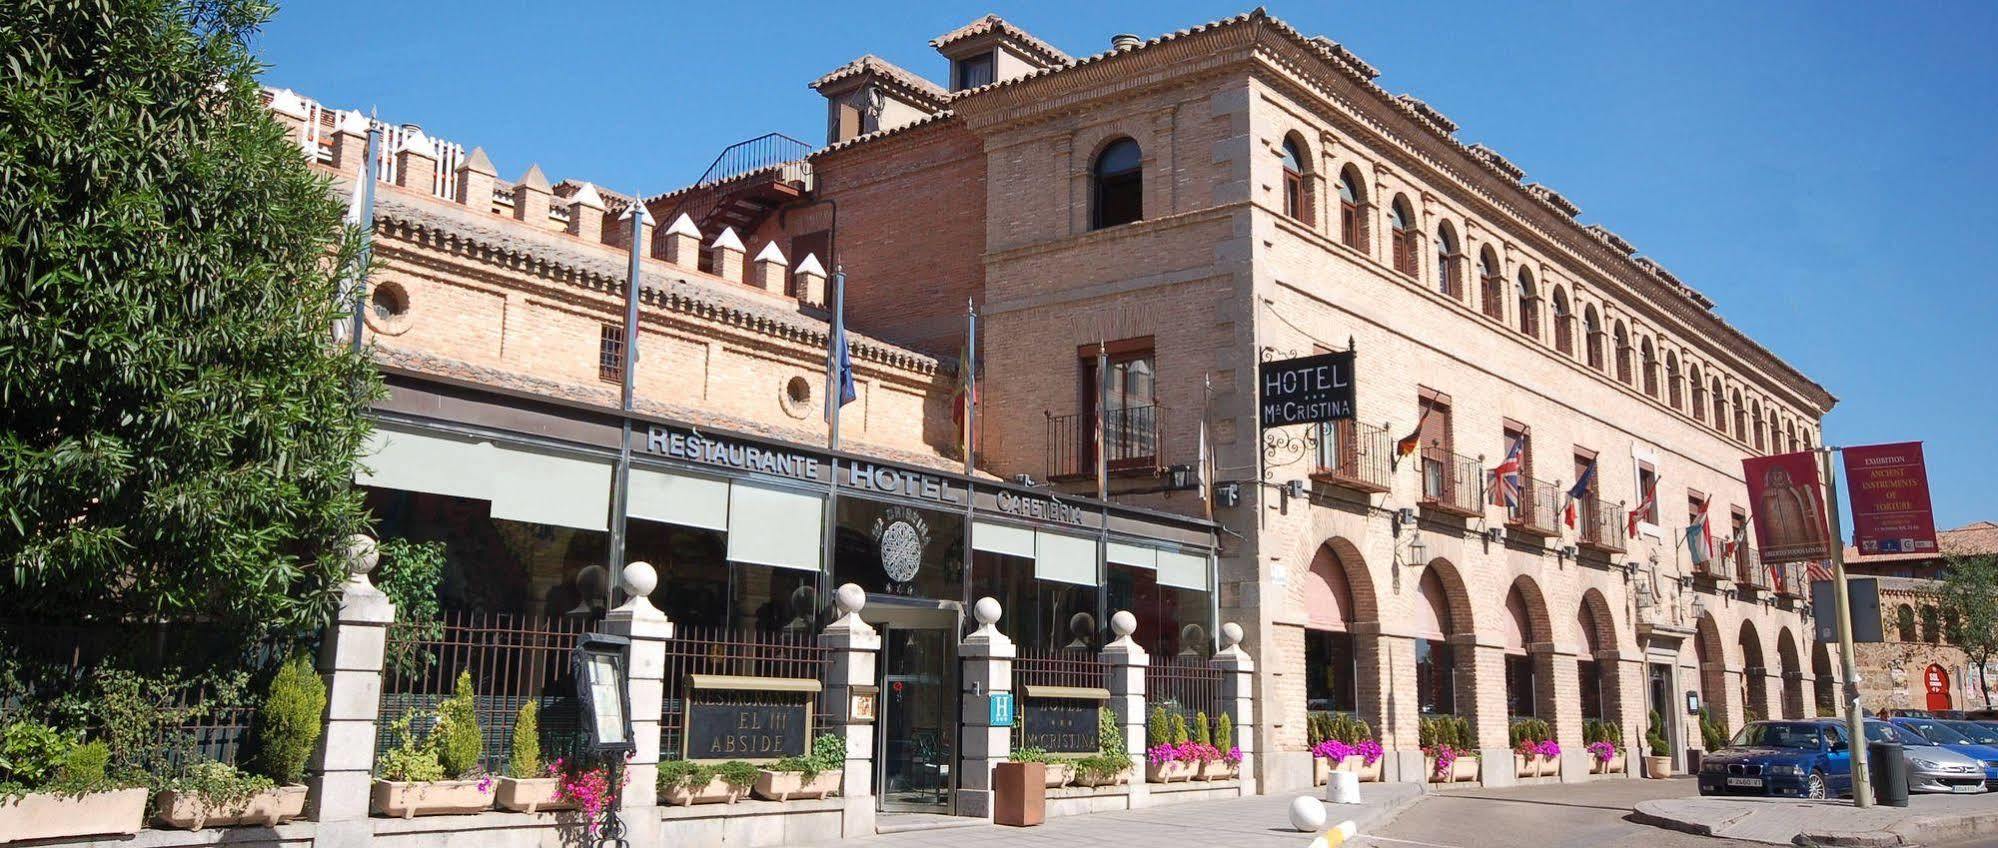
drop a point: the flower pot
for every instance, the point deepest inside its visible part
(1525, 765)
(715, 791)
(1092, 780)
(46, 816)
(1658, 768)
(531, 794)
(1357, 763)
(270, 807)
(1547, 766)
(1429, 769)
(1059, 774)
(785, 785)
(1465, 768)
(1217, 770)
(1170, 772)
(1321, 771)
(402, 800)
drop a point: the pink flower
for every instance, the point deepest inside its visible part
(1161, 754)
(1548, 748)
(1603, 751)
(1369, 751)
(1234, 755)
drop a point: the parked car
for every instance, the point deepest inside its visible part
(1803, 759)
(1931, 768)
(1941, 732)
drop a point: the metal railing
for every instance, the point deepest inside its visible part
(1602, 527)
(1538, 509)
(1789, 580)
(1749, 570)
(1184, 685)
(1131, 438)
(777, 154)
(315, 137)
(1452, 482)
(742, 653)
(1355, 455)
(512, 659)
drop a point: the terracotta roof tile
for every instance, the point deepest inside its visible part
(929, 92)
(994, 23)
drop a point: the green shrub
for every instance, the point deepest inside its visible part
(1654, 736)
(1110, 734)
(84, 766)
(1712, 734)
(218, 786)
(828, 754)
(683, 774)
(1157, 730)
(1179, 734)
(1224, 733)
(1030, 754)
(289, 724)
(461, 746)
(738, 774)
(524, 761)
(1201, 733)
(410, 760)
(32, 754)
(1461, 726)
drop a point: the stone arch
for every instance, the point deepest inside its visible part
(1595, 633)
(1711, 653)
(1754, 674)
(1444, 621)
(1456, 598)
(1823, 681)
(1529, 652)
(1793, 673)
(1338, 582)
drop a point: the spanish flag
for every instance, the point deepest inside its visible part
(1407, 444)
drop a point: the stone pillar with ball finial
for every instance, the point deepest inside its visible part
(1124, 663)
(645, 678)
(852, 698)
(1238, 701)
(988, 673)
(350, 659)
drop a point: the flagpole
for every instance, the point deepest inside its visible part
(370, 170)
(835, 381)
(1855, 727)
(970, 379)
(1102, 419)
(627, 400)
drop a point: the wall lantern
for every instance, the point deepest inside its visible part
(1418, 552)
(1227, 494)
(1494, 535)
(1293, 489)
(1699, 606)
(1179, 478)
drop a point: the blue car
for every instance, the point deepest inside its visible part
(1977, 733)
(1800, 759)
(1942, 733)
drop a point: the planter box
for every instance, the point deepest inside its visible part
(1358, 764)
(1217, 770)
(1321, 771)
(270, 808)
(1525, 765)
(1095, 780)
(1614, 766)
(1547, 766)
(531, 794)
(1658, 768)
(717, 791)
(1429, 771)
(1465, 768)
(43, 816)
(786, 785)
(1170, 772)
(402, 800)
(1059, 775)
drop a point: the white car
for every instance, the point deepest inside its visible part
(1931, 768)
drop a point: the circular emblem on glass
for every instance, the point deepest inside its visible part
(901, 534)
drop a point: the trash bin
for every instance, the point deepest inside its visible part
(1019, 794)
(1887, 770)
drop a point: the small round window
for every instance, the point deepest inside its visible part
(797, 396)
(388, 308)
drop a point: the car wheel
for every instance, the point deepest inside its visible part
(1814, 786)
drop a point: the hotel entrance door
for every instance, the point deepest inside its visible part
(916, 751)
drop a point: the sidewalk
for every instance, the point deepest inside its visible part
(1262, 820)
(1784, 821)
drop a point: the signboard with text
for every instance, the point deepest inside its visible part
(1306, 390)
(1888, 487)
(1059, 725)
(1787, 504)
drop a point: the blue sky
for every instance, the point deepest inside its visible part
(1826, 172)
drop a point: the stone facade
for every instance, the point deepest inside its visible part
(1916, 666)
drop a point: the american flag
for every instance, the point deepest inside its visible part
(1817, 570)
(1506, 477)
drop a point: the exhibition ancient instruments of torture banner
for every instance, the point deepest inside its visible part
(1888, 487)
(1787, 502)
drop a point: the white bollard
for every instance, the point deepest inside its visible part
(1306, 814)
(1343, 787)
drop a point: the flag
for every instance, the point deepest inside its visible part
(1818, 570)
(1205, 480)
(1407, 444)
(839, 359)
(1577, 493)
(1505, 477)
(964, 399)
(1699, 541)
(1643, 509)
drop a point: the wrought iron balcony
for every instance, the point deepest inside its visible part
(1452, 483)
(1749, 571)
(1602, 528)
(1538, 510)
(1355, 456)
(1789, 580)
(1131, 440)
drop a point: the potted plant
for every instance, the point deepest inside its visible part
(1605, 745)
(1465, 766)
(1058, 772)
(1658, 759)
(1534, 751)
(529, 784)
(1314, 736)
(814, 775)
(52, 787)
(212, 794)
(440, 773)
(1170, 756)
(1112, 760)
(685, 782)
(1230, 763)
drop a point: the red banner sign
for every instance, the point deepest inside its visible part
(1787, 504)
(1889, 490)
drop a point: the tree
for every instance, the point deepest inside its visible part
(177, 432)
(1969, 599)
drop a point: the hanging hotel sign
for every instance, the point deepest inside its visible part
(1306, 390)
(1888, 487)
(1061, 719)
(1787, 503)
(746, 718)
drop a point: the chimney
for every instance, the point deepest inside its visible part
(811, 281)
(350, 143)
(530, 197)
(617, 233)
(771, 269)
(416, 160)
(586, 213)
(728, 252)
(683, 243)
(1124, 41)
(476, 177)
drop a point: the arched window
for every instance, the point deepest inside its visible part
(1529, 304)
(1592, 336)
(1931, 625)
(1119, 174)
(1294, 202)
(1622, 354)
(1449, 262)
(1720, 405)
(1647, 366)
(1699, 395)
(1674, 389)
(1904, 623)
(1790, 434)
(1564, 323)
(1760, 445)
(1740, 418)
(1352, 210)
(1407, 239)
(1491, 285)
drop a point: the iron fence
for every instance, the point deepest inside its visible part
(1452, 482)
(1538, 509)
(1602, 528)
(1355, 455)
(1184, 685)
(512, 660)
(1131, 438)
(740, 653)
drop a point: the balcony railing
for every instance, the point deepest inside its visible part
(1749, 571)
(1602, 527)
(1354, 455)
(1452, 483)
(1789, 580)
(1131, 438)
(1538, 510)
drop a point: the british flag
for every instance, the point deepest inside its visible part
(1506, 477)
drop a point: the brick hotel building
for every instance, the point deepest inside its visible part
(1184, 208)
